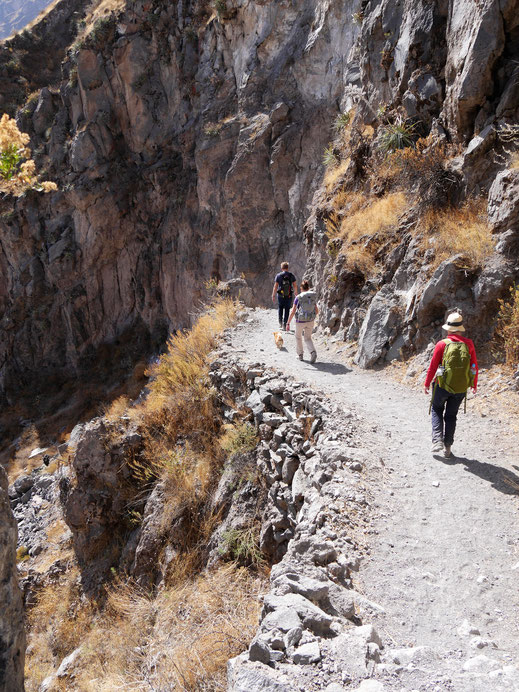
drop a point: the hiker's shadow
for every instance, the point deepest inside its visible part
(500, 478)
(333, 368)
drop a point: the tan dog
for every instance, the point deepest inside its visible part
(278, 339)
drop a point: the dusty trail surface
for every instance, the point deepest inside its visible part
(444, 564)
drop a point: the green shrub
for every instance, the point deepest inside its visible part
(239, 438)
(342, 121)
(397, 135)
(330, 158)
(242, 545)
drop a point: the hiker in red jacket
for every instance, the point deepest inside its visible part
(454, 369)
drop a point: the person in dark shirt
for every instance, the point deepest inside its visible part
(285, 286)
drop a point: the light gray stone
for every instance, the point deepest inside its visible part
(307, 653)
(352, 650)
(312, 617)
(246, 676)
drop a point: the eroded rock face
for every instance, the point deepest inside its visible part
(12, 633)
(450, 66)
(96, 504)
(185, 150)
(188, 147)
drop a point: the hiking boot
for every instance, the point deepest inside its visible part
(300, 356)
(281, 325)
(313, 357)
(437, 447)
(447, 451)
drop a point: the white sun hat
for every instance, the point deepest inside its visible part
(454, 323)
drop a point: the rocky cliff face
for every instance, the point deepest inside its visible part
(187, 142)
(187, 145)
(12, 634)
(451, 69)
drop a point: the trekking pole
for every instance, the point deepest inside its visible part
(432, 397)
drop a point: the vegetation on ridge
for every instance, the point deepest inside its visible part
(196, 622)
(17, 169)
(380, 177)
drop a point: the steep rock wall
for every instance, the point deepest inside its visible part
(187, 149)
(452, 68)
(188, 144)
(12, 633)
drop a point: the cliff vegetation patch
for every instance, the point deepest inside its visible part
(17, 169)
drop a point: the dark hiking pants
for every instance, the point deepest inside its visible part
(444, 411)
(284, 305)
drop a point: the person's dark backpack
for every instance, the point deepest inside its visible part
(285, 290)
(455, 374)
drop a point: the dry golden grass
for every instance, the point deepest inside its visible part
(116, 409)
(180, 425)
(180, 640)
(57, 625)
(19, 463)
(507, 332)
(101, 8)
(376, 217)
(463, 231)
(514, 161)
(360, 258)
(335, 173)
(357, 217)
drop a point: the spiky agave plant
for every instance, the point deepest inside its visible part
(330, 158)
(397, 135)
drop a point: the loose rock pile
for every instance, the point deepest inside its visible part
(309, 635)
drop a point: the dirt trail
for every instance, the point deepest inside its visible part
(445, 545)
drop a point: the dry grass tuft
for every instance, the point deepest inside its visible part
(360, 258)
(57, 624)
(116, 409)
(507, 331)
(180, 424)
(376, 217)
(180, 640)
(514, 161)
(463, 231)
(335, 173)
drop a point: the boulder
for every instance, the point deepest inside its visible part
(380, 327)
(237, 289)
(503, 202)
(356, 650)
(248, 676)
(307, 653)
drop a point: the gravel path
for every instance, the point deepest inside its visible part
(444, 561)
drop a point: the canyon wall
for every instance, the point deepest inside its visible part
(187, 143)
(12, 633)
(187, 147)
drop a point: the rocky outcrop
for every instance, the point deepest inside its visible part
(31, 60)
(95, 499)
(448, 66)
(12, 633)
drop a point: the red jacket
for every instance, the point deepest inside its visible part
(438, 357)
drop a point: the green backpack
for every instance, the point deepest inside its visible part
(455, 374)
